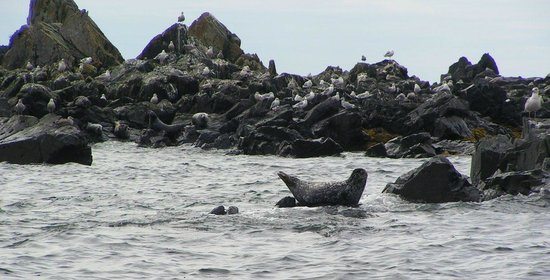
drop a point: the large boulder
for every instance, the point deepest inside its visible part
(488, 157)
(435, 181)
(51, 140)
(57, 29)
(514, 183)
(464, 70)
(345, 128)
(212, 33)
(161, 41)
(412, 146)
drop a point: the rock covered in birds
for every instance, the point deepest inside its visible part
(346, 192)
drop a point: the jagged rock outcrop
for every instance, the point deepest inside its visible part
(57, 29)
(162, 41)
(212, 33)
(435, 181)
(464, 70)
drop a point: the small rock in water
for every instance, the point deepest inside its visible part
(232, 210)
(220, 210)
(286, 202)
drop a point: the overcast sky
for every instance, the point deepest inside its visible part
(306, 36)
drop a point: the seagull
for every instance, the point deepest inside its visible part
(103, 97)
(337, 82)
(51, 106)
(308, 84)
(162, 56)
(300, 105)
(442, 88)
(298, 98)
(245, 71)
(392, 88)
(400, 97)
(20, 107)
(363, 58)
(29, 66)
(411, 96)
(181, 18)
(105, 76)
(417, 88)
(154, 99)
(260, 97)
(329, 90)
(86, 60)
(346, 105)
(310, 96)
(292, 84)
(389, 54)
(62, 66)
(206, 71)
(171, 47)
(533, 103)
(210, 52)
(275, 103)
(363, 95)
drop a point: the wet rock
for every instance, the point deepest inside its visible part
(52, 140)
(36, 98)
(304, 148)
(272, 69)
(161, 41)
(345, 128)
(435, 181)
(220, 210)
(464, 70)
(454, 147)
(413, 146)
(377, 150)
(59, 25)
(488, 157)
(286, 202)
(514, 183)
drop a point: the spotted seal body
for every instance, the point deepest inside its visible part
(156, 124)
(346, 192)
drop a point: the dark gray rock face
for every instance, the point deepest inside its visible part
(345, 128)
(59, 25)
(25, 140)
(301, 148)
(162, 41)
(464, 70)
(514, 183)
(435, 181)
(488, 157)
(412, 146)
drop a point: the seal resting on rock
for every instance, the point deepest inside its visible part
(346, 192)
(156, 124)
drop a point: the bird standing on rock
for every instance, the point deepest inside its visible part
(417, 88)
(210, 52)
(181, 18)
(20, 107)
(62, 66)
(363, 58)
(29, 66)
(154, 99)
(171, 47)
(389, 54)
(534, 102)
(162, 56)
(51, 106)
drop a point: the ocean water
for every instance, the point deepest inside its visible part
(143, 214)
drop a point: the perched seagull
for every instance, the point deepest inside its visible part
(329, 90)
(300, 105)
(51, 106)
(353, 94)
(417, 88)
(275, 103)
(206, 71)
(105, 76)
(308, 84)
(363, 58)
(162, 56)
(346, 105)
(260, 97)
(171, 47)
(29, 66)
(245, 71)
(86, 60)
(292, 84)
(392, 88)
(310, 96)
(400, 97)
(322, 83)
(103, 97)
(389, 54)
(411, 96)
(298, 98)
(20, 107)
(154, 99)
(533, 103)
(442, 88)
(210, 52)
(62, 66)
(363, 95)
(181, 18)
(337, 82)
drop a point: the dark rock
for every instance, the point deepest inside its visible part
(266, 140)
(272, 68)
(464, 70)
(286, 202)
(161, 41)
(51, 140)
(435, 181)
(36, 98)
(453, 128)
(220, 210)
(514, 183)
(321, 111)
(531, 150)
(412, 146)
(210, 32)
(488, 156)
(232, 210)
(454, 147)
(345, 128)
(377, 150)
(302, 148)
(59, 25)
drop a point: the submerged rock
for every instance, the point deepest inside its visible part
(435, 181)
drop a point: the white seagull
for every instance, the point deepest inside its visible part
(300, 105)
(154, 99)
(29, 66)
(171, 47)
(275, 104)
(417, 88)
(62, 66)
(533, 103)
(51, 106)
(308, 84)
(20, 107)
(161, 57)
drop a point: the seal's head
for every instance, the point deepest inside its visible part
(358, 177)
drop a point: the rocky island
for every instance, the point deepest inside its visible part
(64, 86)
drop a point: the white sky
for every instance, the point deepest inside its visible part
(306, 36)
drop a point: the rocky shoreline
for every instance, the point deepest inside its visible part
(196, 85)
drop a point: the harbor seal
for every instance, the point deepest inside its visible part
(156, 124)
(346, 192)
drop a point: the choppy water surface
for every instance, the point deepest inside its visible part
(142, 213)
